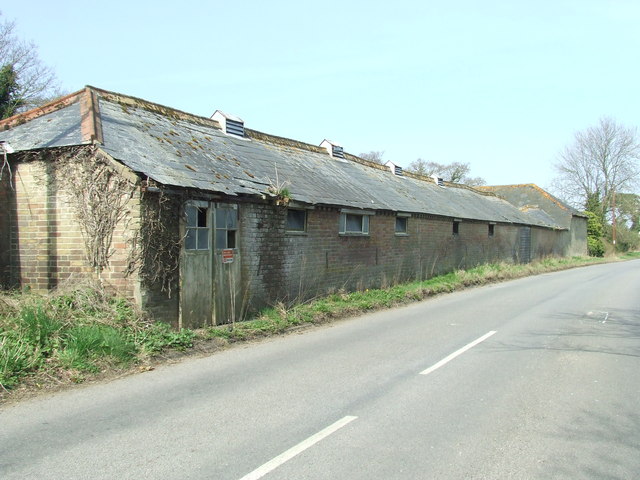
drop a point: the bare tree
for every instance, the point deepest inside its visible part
(602, 160)
(35, 83)
(373, 156)
(421, 167)
(455, 172)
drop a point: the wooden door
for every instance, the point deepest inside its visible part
(196, 273)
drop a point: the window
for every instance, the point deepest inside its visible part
(354, 224)
(296, 220)
(456, 228)
(491, 229)
(226, 226)
(197, 237)
(401, 225)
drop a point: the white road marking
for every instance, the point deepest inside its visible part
(456, 353)
(600, 314)
(299, 448)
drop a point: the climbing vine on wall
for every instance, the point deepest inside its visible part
(99, 197)
(155, 251)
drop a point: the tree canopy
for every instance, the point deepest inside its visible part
(25, 82)
(8, 88)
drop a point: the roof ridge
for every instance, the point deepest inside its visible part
(129, 100)
(276, 139)
(90, 120)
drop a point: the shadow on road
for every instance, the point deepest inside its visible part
(607, 331)
(597, 444)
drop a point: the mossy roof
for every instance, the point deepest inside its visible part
(177, 149)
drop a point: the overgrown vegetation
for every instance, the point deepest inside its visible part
(155, 248)
(281, 317)
(595, 246)
(76, 333)
(99, 199)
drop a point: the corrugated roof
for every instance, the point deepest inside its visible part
(181, 150)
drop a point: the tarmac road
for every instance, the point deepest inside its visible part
(533, 378)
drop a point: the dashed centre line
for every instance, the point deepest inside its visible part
(312, 440)
(460, 351)
(297, 449)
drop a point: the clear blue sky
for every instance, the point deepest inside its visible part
(502, 85)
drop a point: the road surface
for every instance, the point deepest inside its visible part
(533, 378)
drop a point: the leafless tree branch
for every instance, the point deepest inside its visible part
(602, 159)
(37, 82)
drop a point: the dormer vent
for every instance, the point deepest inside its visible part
(395, 169)
(235, 128)
(230, 124)
(438, 181)
(334, 149)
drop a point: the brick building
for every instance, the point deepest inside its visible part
(201, 219)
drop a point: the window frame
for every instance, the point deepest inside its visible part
(197, 228)
(289, 230)
(405, 219)
(491, 230)
(364, 222)
(231, 230)
(455, 231)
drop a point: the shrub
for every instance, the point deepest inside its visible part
(156, 337)
(595, 246)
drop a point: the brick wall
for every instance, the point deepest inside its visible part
(7, 207)
(264, 252)
(41, 245)
(287, 266)
(46, 245)
(560, 243)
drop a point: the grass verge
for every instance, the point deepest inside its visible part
(281, 318)
(76, 333)
(81, 332)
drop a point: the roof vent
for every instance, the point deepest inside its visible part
(334, 149)
(230, 124)
(438, 181)
(395, 169)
